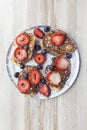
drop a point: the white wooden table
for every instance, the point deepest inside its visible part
(67, 112)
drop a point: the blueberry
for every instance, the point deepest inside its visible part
(25, 75)
(37, 47)
(22, 66)
(26, 47)
(46, 28)
(53, 58)
(43, 80)
(16, 74)
(39, 66)
(44, 52)
(51, 67)
(69, 55)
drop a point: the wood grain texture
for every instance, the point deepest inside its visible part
(67, 112)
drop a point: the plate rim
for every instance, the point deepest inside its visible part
(57, 95)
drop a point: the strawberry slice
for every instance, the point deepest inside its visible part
(20, 54)
(34, 76)
(54, 78)
(22, 39)
(39, 58)
(45, 90)
(62, 63)
(57, 39)
(39, 33)
(23, 85)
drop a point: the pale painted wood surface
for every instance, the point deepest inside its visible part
(67, 112)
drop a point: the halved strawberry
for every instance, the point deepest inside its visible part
(62, 63)
(57, 39)
(39, 58)
(22, 39)
(54, 78)
(34, 76)
(39, 33)
(45, 90)
(20, 54)
(23, 85)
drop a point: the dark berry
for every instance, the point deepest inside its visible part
(26, 47)
(46, 28)
(51, 67)
(43, 52)
(69, 55)
(39, 66)
(53, 58)
(22, 66)
(16, 74)
(43, 80)
(25, 75)
(37, 47)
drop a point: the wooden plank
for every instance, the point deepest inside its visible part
(68, 111)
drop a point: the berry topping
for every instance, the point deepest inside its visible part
(34, 76)
(16, 74)
(25, 76)
(62, 63)
(39, 67)
(39, 58)
(37, 47)
(20, 54)
(54, 78)
(57, 39)
(22, 66)
(23, 85)
(69, 55)
(39, 33)
(46, 28)
(51, 67)
(43, 80)
(22, 39)
(45, 90)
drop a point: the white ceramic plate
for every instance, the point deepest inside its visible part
(75, 66)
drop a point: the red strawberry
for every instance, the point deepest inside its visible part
(62, 63)
(20, 54)
(23, 85)
(45, 90)
(39, 58)
(54, 78)
(22, 39)
(39, 33)
(57, 39)
(34, 76)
